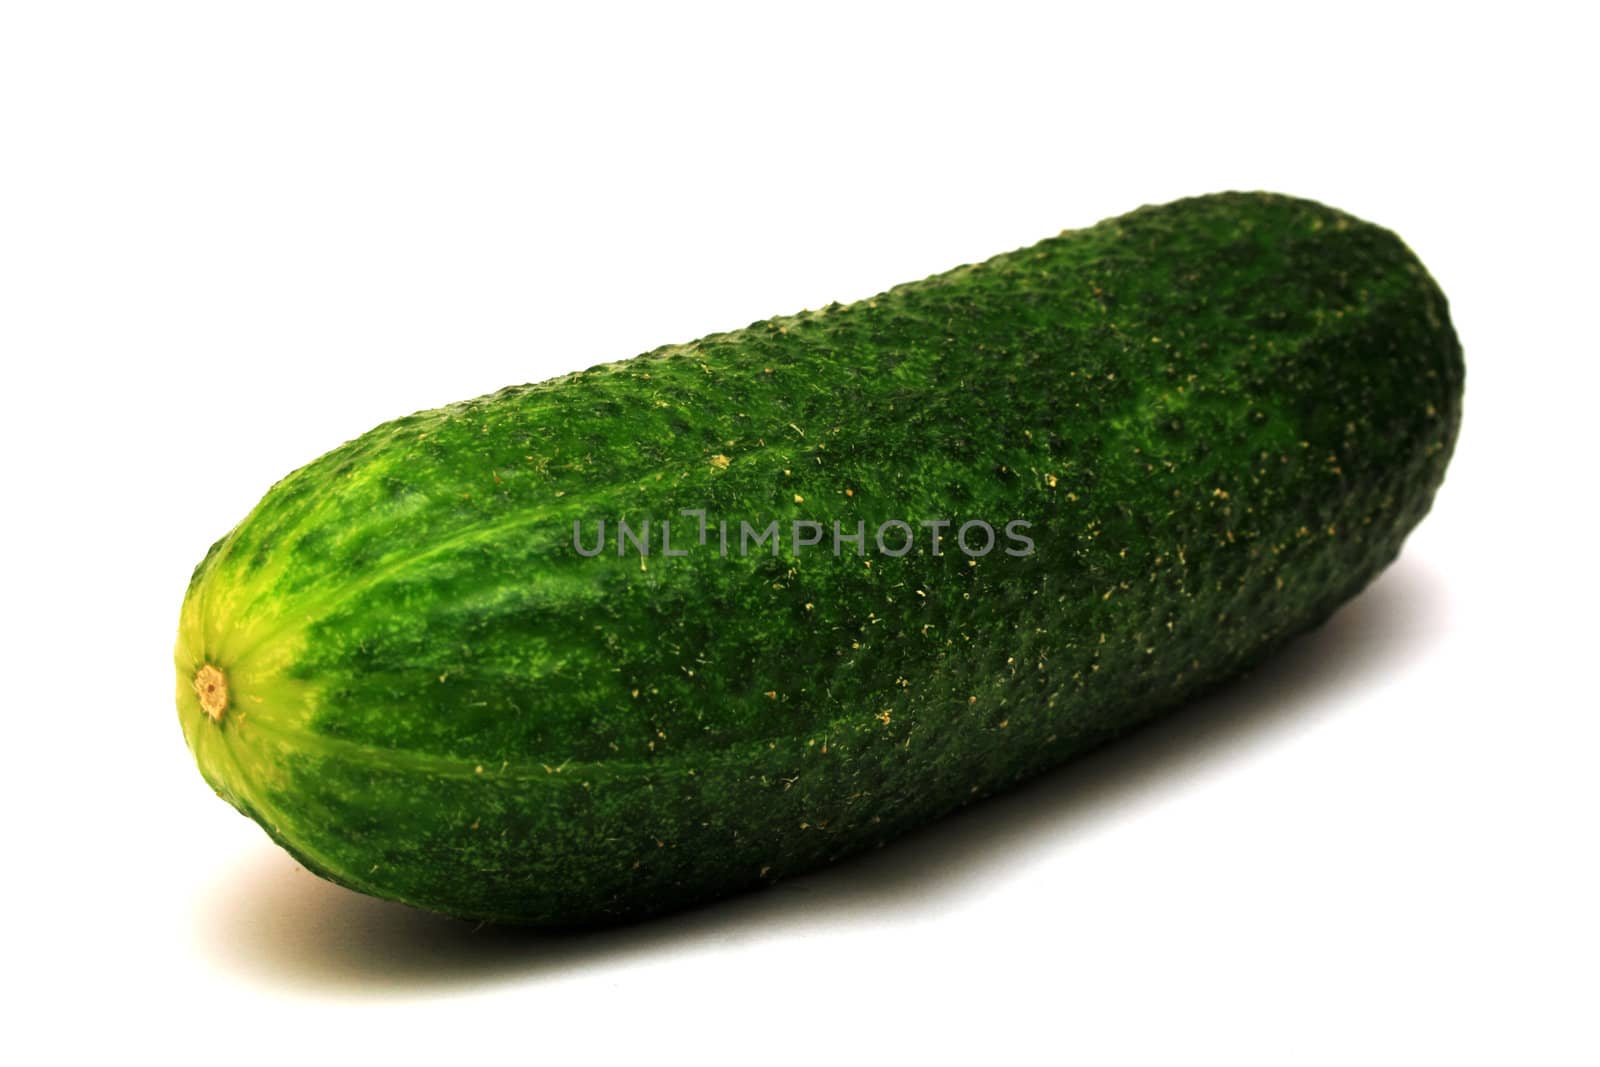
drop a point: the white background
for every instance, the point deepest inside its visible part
(234, 235)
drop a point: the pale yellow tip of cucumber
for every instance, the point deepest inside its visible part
(212, 687)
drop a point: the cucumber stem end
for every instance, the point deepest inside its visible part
(212, 687)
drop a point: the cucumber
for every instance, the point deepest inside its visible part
(593, 649)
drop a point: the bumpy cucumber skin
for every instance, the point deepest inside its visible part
(1221, 416)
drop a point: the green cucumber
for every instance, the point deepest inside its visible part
(1192, 432)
